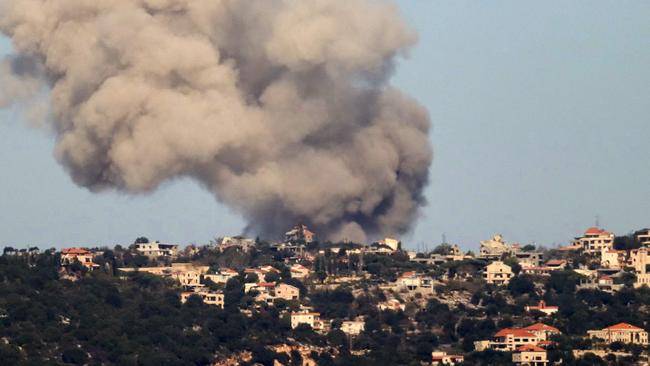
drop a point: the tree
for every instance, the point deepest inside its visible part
(142, 240)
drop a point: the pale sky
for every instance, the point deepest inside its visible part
(541, 115)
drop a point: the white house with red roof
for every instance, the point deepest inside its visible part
(542, 307)
(621, 332)
(595, 240)
(529, 355)
(83, 256)
(509, 339)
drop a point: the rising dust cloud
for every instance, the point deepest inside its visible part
(280, 108)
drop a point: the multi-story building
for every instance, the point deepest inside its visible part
(498, 273)
(643, 236)
(222, 276)
(155, 249)
(306, 317)
(286, 292)
(542, 331)
(412, 281)
(83, 256)
(621, 332)
(595, 240)
(640, 259)
(510, 339)
(208, 297)
(612, 258)
(238, 242)
(530, 355)
(299, 233)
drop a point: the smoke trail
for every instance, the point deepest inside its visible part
(281, 108)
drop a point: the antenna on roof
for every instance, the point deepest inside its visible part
(597, 221)
(444, 238)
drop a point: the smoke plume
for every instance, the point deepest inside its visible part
(281, 108)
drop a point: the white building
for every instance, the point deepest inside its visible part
(299, 271)
(353, 327)
(412, 281)
(305, 317)
(155, 249)
(498, 273)
(222, 276)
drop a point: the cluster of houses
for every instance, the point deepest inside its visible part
(528, 345)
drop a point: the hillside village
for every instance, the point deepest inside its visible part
(585, 303)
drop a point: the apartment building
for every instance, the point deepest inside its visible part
(595, 240)
(498, 273)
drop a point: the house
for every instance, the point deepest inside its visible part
(621, 332)
(496, 247)
(392, 304)
(599, 282)
(393, 244)
(299, 271)
(299, 233)
(529, 259)
(442, 358)
(155, 249)
(412, 281)
(542, 331)
(530, 355)
(286, 292)
(305, 317)
(208, 297)
(268, 292)
(510, 339)
(83, 256)
(243, 244)
(353, 327)
(542, 307)
(222, 276)
(611, 258)
(595, 240)
(546, 269)
(498, 273)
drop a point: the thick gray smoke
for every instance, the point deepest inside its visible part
(281, 108)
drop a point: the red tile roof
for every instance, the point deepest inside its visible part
(542, 326)
(596, 231)
(623, 326)
(529, 348)
(78, 251)
(517, 332)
